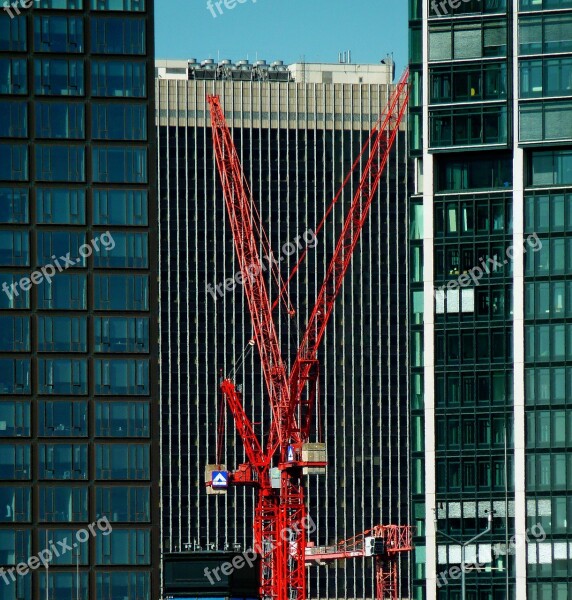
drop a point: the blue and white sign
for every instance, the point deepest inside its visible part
(290, 453)
(220, 480)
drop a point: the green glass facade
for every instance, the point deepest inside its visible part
(491, 297)
(78, 384)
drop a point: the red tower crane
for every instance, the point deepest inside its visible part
(384, 543)
(280, 517)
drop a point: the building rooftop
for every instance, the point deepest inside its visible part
(260, 70)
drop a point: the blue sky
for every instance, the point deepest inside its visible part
(283, 30)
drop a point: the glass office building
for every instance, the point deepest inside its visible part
(78, 358)
(491, 297)
(297, 137)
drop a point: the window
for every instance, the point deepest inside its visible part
(459, 174)
(63, 461)
(118, 79)
(119, 165)
(549, 429)
(63, 586)
(62, 419)
(123, 584)
(15, 462)
(14, 419)
(487, 125)
(13, 75)
(61, 120)
(462, 41)
(471, 6)
(121, 334)
(15, 334)
(77, 555)
(549, 342)
(548, 212)
(12, 35)
(119, 121)
(121, 292)
(58, 77)
(13, 205)
(14, 248)
(122, 419)
(121, 377)
(55, 245)
(116, 35)
(61, 4)
(464, 84)
(63, 504)
(479, 215)
(15, 546)
(63, 292)
(526, 5)
(545, 121)
(60, 163)
(124, 5)
(546, 77)
(13, 162)
(58, 34)
(550, 167)
(14, 122)
(545, 35)
(62, 207)
(14, 376)
(124, 547)
(12, 295)
(62, 334)
(122, 461)
(549, 472)
(62, 376)
(548, 300)
(123, 504)
(130, 250)
(552, 256)
(15, 504)
(120, 207)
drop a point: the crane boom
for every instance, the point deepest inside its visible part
(251, 444)
(384, 543)
(387, 128)
(239, 207)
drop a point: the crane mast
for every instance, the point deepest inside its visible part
(280, 518)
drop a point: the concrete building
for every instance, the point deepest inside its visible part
(491, 136)
(78, 283)
(296, 140)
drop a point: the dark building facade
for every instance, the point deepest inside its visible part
(491, 117)
(296, 140)
(78, 288)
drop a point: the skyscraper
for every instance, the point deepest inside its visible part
(298, 129)
(78, 360)
(491, 133)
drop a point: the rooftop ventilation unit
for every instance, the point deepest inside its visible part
(279, 71)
